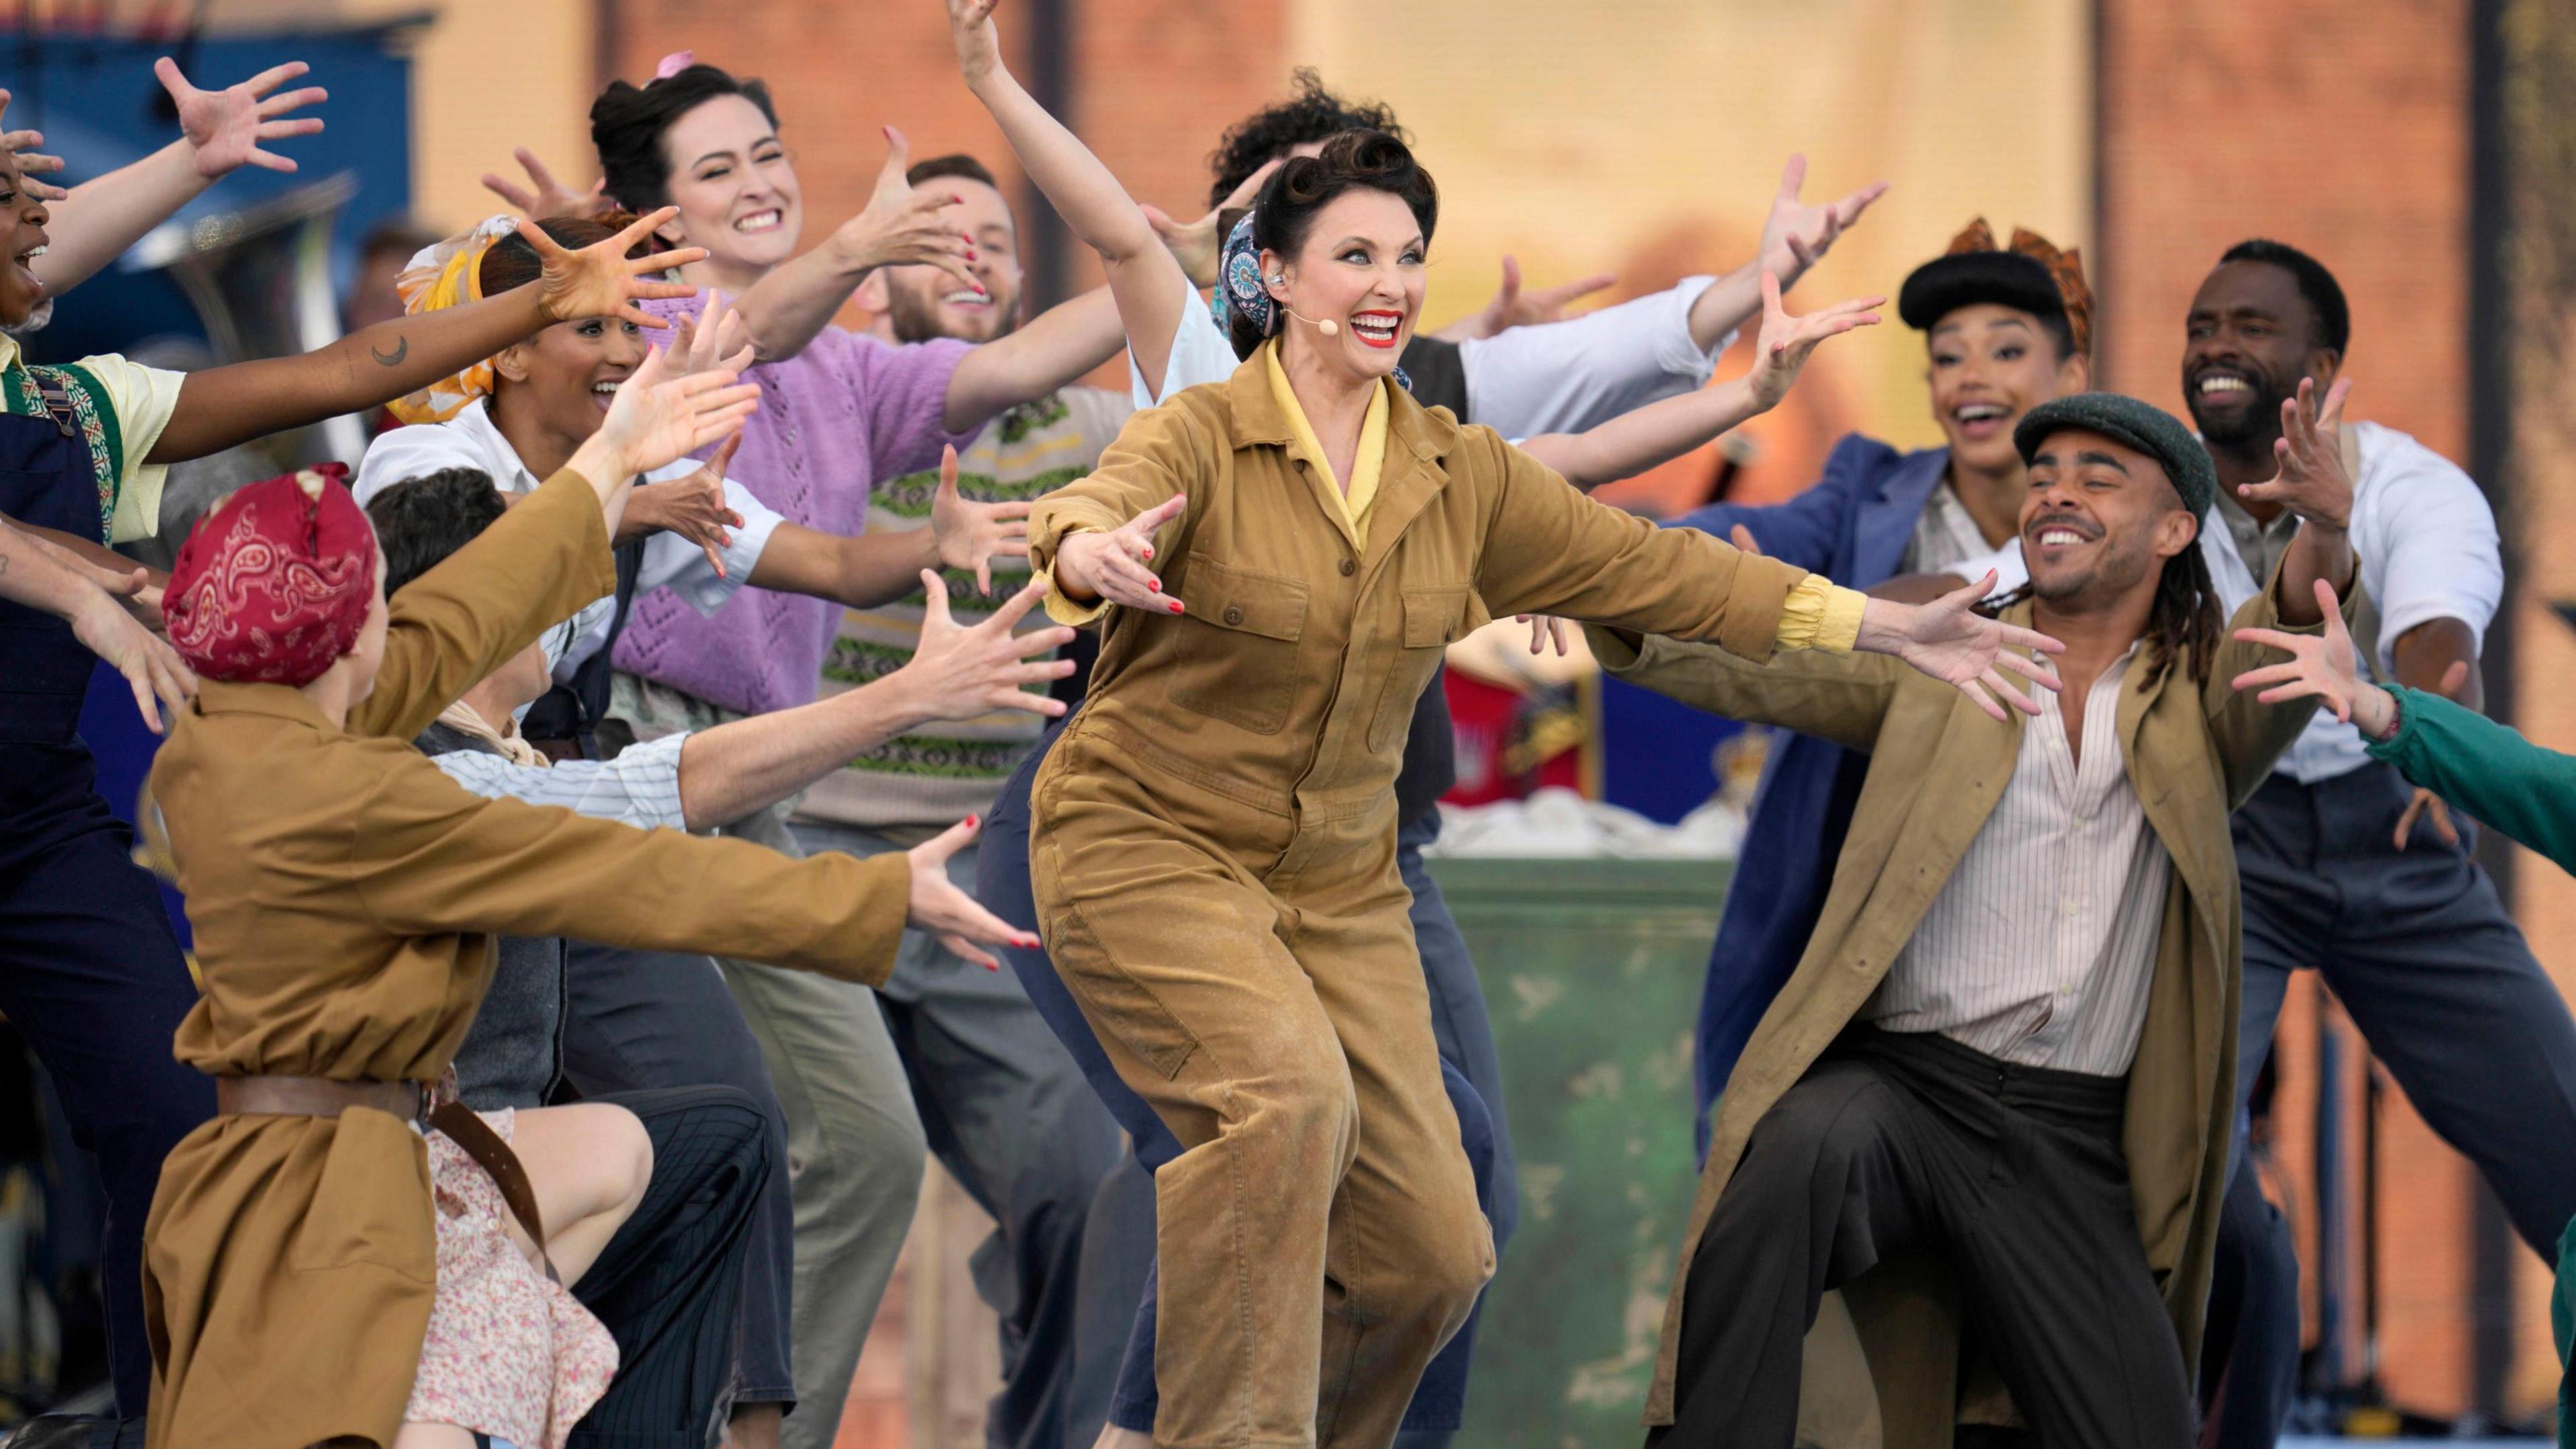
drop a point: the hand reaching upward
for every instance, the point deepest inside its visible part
(2324, 667)
(1797, 234)
(971, 535)
(901, 227)
(657, 419)
(1786, 342)
(601, 280)
(544, 198)
(1512, 307)
(21, 146)
(2313, 482)
(1195, 244)
(227, 127)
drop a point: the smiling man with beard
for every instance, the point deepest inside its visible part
(2002, 1061)
(1002, 1103)
(2347, 869)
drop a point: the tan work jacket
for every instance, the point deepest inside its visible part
(344, 894)
(1289, 683)
(1938, 765)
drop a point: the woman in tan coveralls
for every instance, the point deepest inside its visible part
(345, 892)
(1215, 833)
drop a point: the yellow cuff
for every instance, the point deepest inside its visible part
(1820, 615)
(1059, 608)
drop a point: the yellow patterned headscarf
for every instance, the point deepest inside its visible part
(449, 274)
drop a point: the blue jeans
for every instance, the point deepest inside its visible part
(1112, 1260)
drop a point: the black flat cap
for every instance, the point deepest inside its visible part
(1943, 285)
(2125, 420)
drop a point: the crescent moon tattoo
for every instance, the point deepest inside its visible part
(402, 349)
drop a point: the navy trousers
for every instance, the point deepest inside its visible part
(91, 976)
(2420, 951)
(1119, 1251)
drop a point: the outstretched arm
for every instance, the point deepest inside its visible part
(1795, 236)
(98, 220)
(221, 406)
(900, 227)
(1628, 445)
(1062, 344)
(878, 568)
(958, 673)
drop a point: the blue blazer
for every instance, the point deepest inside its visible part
(1852, 527)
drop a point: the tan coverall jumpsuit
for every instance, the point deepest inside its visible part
(1214, 861)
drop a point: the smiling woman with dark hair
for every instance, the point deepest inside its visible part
(1214, 841)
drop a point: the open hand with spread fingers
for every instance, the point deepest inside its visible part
(1787, 342)
(693, 507)
(657, 419)
(1513, 307)
(716, 337)
(1114, 565)
(939, 907)
(1797, 234)
(2323, 667)
(1950, 641)
(229, 128)
(1195, 244)
(971, 535)
(544, 197)
(21, 146)
(963, 671)
(904, 226)
(601, 280)
(2313, 482)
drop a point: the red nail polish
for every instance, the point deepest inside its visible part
(1155, 584)
(970, 822)
(1176, 606)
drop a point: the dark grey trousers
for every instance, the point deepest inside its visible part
(2015, 1174)
(2422, 954)
(641, 1021)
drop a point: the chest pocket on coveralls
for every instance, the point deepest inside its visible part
(1432, 617)
(1237, 657)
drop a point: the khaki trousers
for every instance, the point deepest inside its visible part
(1254, 978)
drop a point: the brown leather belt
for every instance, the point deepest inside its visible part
(405, 1101)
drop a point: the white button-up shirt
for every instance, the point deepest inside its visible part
(2041, 945)
(2426, 542)
(470, 440)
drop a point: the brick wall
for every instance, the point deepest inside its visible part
(2346, 133)
(1157, 81)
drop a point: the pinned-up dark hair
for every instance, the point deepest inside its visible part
(627, 123)
(511, 262)
(1285, 211)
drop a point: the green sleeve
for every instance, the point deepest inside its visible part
(2488, 770)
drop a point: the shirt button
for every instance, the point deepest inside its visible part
(1233, 615)
(1350, 567)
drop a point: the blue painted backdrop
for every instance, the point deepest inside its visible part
(97, 102)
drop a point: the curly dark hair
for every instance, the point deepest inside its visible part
(1285, 210)
(1313, 114)
(420, 521)
(627, 122)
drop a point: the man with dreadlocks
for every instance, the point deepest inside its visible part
(1997, 1088)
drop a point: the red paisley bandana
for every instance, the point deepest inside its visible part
(275, 584)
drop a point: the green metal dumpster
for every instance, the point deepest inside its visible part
(1592, 971)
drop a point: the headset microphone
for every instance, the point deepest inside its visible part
(1328, 326)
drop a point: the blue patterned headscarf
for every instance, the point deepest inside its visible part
(1239, 289)
(1239, 286)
